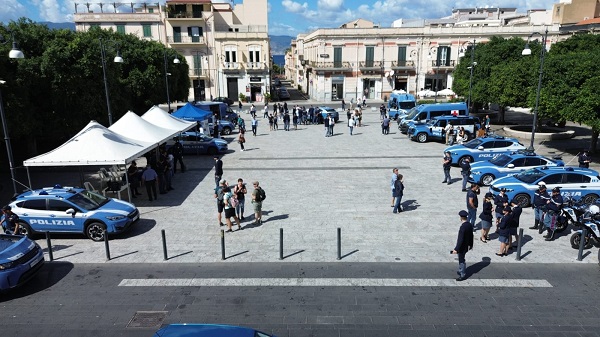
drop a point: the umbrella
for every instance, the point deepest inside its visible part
(445, 92)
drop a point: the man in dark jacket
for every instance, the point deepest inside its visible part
(504, 231)
(514, 224)
(178, 155)
(553, 206)
(465, 171)
(464, 243)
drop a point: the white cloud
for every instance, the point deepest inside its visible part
(331, 5)
(12, 10)
(294, 7)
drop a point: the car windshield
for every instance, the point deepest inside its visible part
(473, 144)
(407, 105)
(530, 176)
(412, 113)
(501, 160)
(88, 200)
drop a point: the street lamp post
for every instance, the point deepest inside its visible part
(175, 61)
(526, 51)
(117, 59)
(471, 67)
(15, 53)
(433, 50)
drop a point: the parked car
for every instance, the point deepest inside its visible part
(435, 128)
(503, 165)
(20, 259)
(325, 111)
(483, 148)
(578, 183)
(225, 126)
(283, 94)
(198, 143)
(72, 210)
(208, 330)
(225, 100)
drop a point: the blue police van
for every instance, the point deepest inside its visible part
(400, 104)
(425, 112)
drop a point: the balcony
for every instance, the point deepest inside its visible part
(199, 73)
(231, 67)
(184, 15)
(183, 39)
(331, 66)
(443, 64)
(403, 65)
(370, 65)
(256, 67)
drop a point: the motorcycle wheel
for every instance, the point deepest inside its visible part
(575, 241)
(561, 226)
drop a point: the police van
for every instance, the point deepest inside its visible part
(400, 103)
(425, 112)
(435, 128)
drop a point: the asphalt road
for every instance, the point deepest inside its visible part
(93, 299)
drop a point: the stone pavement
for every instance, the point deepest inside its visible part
(314, 185)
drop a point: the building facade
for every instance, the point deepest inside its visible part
(225, 46)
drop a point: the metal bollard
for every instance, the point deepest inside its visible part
(106, 246)
(339, 243)
(222, 244)
(581, 244)
(164, 242)
(281, 243)
(50, 255)
(519, 244)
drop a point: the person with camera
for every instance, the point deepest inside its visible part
(240, 191)
(447, 164)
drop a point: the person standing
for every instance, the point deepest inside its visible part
(240, 106)
(382, 111)
(351, 124)
(266, 111)
(486, 216)
(449, 130)
(503, 231)
(446, 165)
(10, 221)
(464, 243)
(220, 196)
(178, 155)
(326, 124)
(253, 111)
(385, 125)
(343, 105)
(393, 184)
(501, 202)
(553, 206)
(465, 171)
(398, 193)
(472, 204)
(286, 121)
(584, 159)
(240, 191)
(134, 179)
(513, 226)
(540, 199)
(218, 170)
(150, 178)
(241, 138)
(331, 125)
(258, 196)
(487, 124)
(229, 203)
(254, 125)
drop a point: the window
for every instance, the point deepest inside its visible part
(534, 162)
(443, 56)
(434, 114)
(150, 10)
(575, 178)
(39, 204)
(488, 145)
(94, 25)
(553, 179)
(121, 29)
(254, 53)
(58, 205)
(337, 57)
(518, 162)
(195, 33)
(230, 54)
(401, 56)
(370, 56)
(197, 64)
(147, 30)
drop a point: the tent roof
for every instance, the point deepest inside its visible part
(190, 112)
(157, 116)
(93, 145)
(135, 127)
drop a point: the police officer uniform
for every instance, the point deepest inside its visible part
(584, 159)
(501, 201)
(553, 206)
(447, 164)
(540, 199)
(464, 243)
(465, 170)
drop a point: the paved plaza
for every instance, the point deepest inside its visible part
(314, 185)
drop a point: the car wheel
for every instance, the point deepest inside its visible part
(226, 131)
(336, 119)
(465, 157)
(523, 199)
(486, 179)
(422, 137)
(95, 231)
(590, 199)
(212, 150)
(25, 229)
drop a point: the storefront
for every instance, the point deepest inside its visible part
(337, 87)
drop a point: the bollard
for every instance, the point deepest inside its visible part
(164, 241)
(222, 244)
(106, 246)
(519, 244)
(339, 243)
(281, 243)
(50, 255)
(581, 244)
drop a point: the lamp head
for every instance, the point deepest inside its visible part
(16, 53)
(176, 61)
(461, 53)
(118, 58)
(526, 51)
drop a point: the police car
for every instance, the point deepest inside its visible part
(72, 210)
(435, 128)
(20, 259)
(198, 143)
(483, 148)
(325, 111)
(502, 165)
(579, 183)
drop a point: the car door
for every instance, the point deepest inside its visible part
(34, 213)
(437, 130)
(516, 166)
(577, 185)
(487, 152)
(533, 162)
(61, 221)
(553, 180)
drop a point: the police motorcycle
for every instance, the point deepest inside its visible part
(570, 214)
(590, 221)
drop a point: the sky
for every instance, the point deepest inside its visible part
(289, 17)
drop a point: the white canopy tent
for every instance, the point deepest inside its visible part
(158, 116)
(135, 127)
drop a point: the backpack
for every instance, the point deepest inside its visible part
(220, 194)
(261, 194)
(233, 201)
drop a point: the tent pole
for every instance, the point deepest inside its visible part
(127, 182)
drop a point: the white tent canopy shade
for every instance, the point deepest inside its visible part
(159, 117)
(445, 92)
(135, 127)
(93, 145)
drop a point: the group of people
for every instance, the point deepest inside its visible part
(546, 210)
(231, 200)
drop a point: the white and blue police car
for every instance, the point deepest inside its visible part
(579, 183)
(483, 148)
(72, 210)
(20, 259)
(502, 165)
(194, 142)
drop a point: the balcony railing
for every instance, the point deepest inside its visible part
(443, 63)
(185, 39)
(198, 72)
(370, 64)
(232, 65)
(403, 64)
(255, 65)
(335, 65)
(184, 15)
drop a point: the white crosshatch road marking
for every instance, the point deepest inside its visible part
(331, 282)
